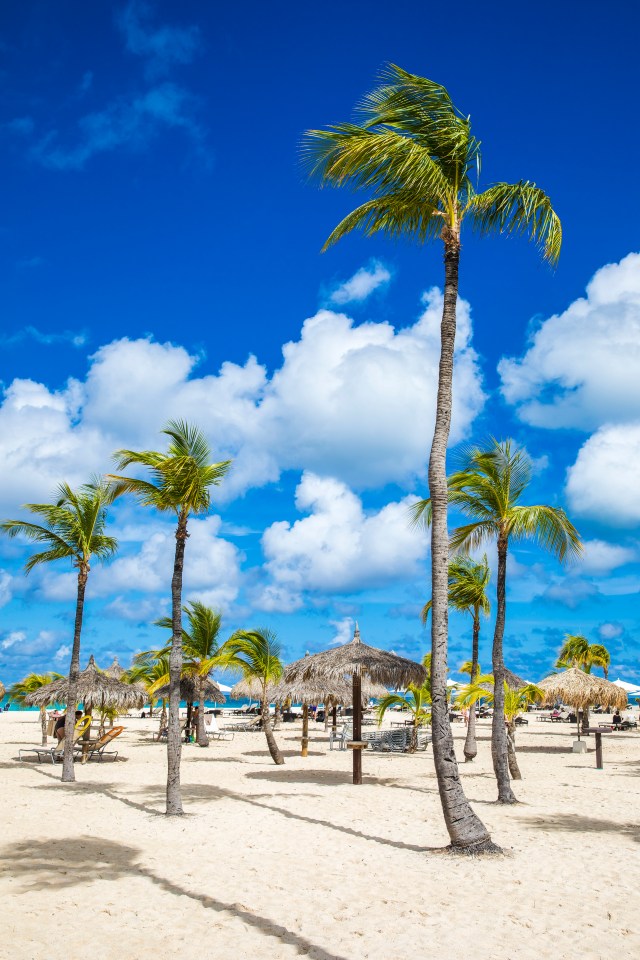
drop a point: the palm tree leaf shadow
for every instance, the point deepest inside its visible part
(68, 861)
(576, 823)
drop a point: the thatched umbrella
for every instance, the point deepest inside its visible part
(189, 691)
(95, 688)
(357, 660)
(580, 690)
(2, 690)
(250, 688)
(115, 670)
(317, 691)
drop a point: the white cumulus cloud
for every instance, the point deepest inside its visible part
(602, 557)
(352, 401)
(362, 284)
(603, 482)
(338, 547)
(581, 367)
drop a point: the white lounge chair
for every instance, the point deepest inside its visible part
(213, 731)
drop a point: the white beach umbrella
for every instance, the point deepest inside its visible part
(627, 687)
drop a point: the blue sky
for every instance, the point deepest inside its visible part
(160, 257)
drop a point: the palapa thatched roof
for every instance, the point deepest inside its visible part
(250, 688)
(579, 689)
(379, 666)
(189, 691)
(95, 687)
(315, 691)
(115, 670)
(2, 690)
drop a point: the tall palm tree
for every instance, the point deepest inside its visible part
(468, 582)
(414, 152)
(417, 700)
(34, 681)
(201, 651)
(72, 529)
(256, 653)
(514, 702)
(487, 489)
(578, 652)
(180, 483)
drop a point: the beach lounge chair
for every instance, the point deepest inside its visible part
(97, 748)
(214, 732)
(244, 726)
(341, 737)
(54, 754)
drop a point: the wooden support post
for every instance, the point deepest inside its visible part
(598, 750)
(334, 717)
(305, 729)
(357, 727)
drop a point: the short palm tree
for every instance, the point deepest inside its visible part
(181, 481)
(256, 654)
(578, 652)
(30, 684)
(417, 700)
(201, 651)
(487, 489)
(515, 701)
(150, 669)
(72, 528)
(414, 152)
(468, 582)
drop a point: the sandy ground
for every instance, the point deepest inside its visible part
(295, 861)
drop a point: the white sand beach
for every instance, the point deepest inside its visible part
(295, 861)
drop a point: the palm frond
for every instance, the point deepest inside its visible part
(549, 527)
(520, 207)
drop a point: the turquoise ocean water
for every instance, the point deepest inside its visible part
(228, 705)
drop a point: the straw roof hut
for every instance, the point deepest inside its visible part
(579, 689)
(250, 688)
(115, 670)
(189, 691)
(95, 689)
(357, 660)
(2, 690)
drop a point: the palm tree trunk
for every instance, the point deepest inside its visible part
(276, 756)
(499, 748)
(174, 743)
(585, 721)
(467, 832)
(413, 745)
(514, 769)
(43, 725)
(201, 734)
(470, 745)
(68, 773)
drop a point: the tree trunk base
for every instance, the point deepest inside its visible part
(508, 798)
(479, 849)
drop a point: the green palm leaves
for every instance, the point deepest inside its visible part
(180, 478)
(468, 582)
(415, 152)
(255, 653)
(71, 528)
(199, 639)
(578, 652)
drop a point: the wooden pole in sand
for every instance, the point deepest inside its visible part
(357, 727)
(305, 729)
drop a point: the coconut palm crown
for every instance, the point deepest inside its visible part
(71, 528)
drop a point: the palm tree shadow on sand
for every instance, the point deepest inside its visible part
(68, 861)
(574, 823)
